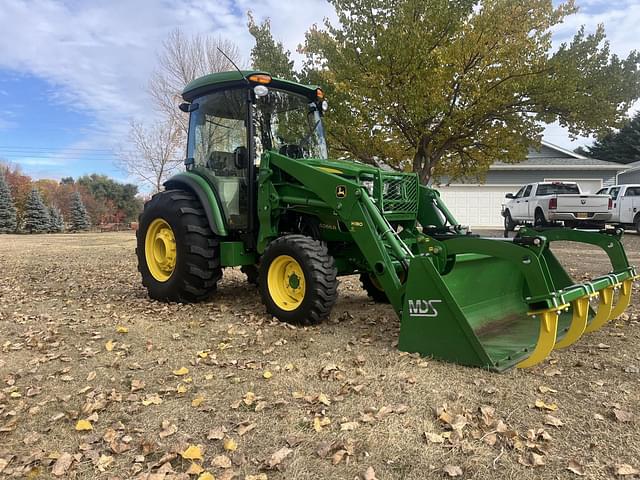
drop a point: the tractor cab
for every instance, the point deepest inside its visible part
(237, 116)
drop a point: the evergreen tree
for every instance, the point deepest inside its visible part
(79, 216)
(622, 146)
(57, 221)
(36, 215)
(7, 208)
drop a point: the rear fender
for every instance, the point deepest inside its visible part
(206, 194)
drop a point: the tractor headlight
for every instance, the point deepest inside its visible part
(368, 184)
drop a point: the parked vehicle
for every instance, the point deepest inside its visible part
(626, 205)
(547, 202)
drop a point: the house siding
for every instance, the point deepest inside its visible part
(627, 178)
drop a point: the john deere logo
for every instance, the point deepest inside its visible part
(341, 191)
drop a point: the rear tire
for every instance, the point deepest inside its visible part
(636, 223)
(538, 219)
(178, 254)
(298, 279)
(373, 288)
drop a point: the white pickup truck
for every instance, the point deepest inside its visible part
(626, 205)
(547, 202)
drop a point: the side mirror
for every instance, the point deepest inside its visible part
(240, 158)
(510, 195)
(188, 107)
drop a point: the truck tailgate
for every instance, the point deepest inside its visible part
(582, 203)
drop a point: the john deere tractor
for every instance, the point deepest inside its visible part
(260, 192)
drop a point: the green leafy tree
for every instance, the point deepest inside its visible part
(8, 223)
(56, 224)
(115, 201)
(622, 146)
(268, 54)
(447, 87)
(36, 214)
(79, 217)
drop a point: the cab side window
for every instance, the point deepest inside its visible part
(527, 191)
(520, 192)
(632, 192)
(614, 193)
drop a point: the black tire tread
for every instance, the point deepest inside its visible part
(322, 283)
(373, 292)
(198, 275)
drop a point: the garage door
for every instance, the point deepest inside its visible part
(477, 205)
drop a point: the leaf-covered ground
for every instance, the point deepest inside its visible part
(99, 382)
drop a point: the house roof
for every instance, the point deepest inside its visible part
(553, 157)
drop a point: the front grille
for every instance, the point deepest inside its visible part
(399, 193)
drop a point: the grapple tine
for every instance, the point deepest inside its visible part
(546, 339)
(578, 325)
(604, 310)
(623, 299)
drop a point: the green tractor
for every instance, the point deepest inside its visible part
(260, 192)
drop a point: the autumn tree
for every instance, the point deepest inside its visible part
(449, 87)
(8, 223)
(268, 54)
(36, 214)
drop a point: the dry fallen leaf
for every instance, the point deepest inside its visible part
(196, 402)
(546, 406)
(625, 469)
(338, 456)
(194, 469)
(121, 329)
(83, 425)
(277, 458)
(347, 426)
(62, 465)
(544, 389)
(109, 346)
(152, 399)
(575, 467)
(181, 371)
(434, 437)
(193, 452)
(452, 470)
(267, 374)
(622, 415)
(369, 474)
(245, 427)
(318, 423)
(221, 461)
(230, 444)
(553, 421)
(206, 476)
(260, 476)
(168, 429)
(216, 433)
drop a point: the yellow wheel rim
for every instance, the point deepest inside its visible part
(286, 284)
(160, 250)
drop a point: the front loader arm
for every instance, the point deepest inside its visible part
(350, 201)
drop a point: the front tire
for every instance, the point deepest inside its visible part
(509, 224)
(298, 279)
(178, 254)
(538, 219)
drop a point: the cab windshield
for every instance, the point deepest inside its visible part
(290, 124)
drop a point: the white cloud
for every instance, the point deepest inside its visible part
(98, 56)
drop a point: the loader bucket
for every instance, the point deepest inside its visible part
(502, 304)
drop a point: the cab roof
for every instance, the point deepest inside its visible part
(234, 79)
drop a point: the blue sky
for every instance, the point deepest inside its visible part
(73, 73)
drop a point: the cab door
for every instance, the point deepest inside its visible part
(629, 204)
